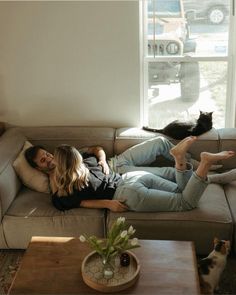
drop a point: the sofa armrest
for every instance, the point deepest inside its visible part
(11, 142)
(228, 142)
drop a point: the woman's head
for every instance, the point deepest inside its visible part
(67, 158)
(70, 171)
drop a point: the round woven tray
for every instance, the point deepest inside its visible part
(124, 276)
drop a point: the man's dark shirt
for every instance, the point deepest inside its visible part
(100, 186)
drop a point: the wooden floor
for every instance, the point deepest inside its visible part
(9, 263)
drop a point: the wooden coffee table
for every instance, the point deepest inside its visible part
(53, 266)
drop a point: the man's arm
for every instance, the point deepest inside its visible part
(113, 205)
(99, 153)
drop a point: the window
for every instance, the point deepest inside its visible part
(186, 60)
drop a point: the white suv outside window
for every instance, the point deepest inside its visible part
(187, 61)
(214, 11)
(168, 35)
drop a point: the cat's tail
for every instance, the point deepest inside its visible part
(153, 129)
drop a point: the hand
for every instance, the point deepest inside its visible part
(105, 167)
(117, 206)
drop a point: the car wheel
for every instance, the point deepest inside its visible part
(216, 15)
(190, 81)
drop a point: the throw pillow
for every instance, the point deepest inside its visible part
(30, 176)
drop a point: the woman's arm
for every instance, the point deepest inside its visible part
(113, 205)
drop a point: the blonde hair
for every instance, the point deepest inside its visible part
(70, 172)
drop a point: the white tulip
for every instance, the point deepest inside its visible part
(124, 234)
(131, 230)
(134, 242)
(82, 238)
(120, 220)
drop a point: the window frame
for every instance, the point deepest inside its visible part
(230, 59)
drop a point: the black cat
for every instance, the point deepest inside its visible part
(180, 130)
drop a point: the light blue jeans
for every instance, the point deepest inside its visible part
(145, 192)
(137, 157)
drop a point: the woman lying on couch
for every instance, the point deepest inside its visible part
(78, 182)
(136, 158)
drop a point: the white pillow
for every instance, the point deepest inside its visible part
(30, 176)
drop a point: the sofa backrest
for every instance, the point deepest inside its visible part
(80, 137)
(127, 137)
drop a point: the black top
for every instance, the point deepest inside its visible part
(100, 186)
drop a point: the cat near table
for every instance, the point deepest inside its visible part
(180, 129)
(211, 267)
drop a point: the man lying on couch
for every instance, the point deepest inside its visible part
(133, 159)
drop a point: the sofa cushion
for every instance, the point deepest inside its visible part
(211, 219)
(32, 214)
(3, 244)
(127, 137)
(30, 176)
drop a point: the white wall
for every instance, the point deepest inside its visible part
(69, 63)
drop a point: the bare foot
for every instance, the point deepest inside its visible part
(182, 147)
(209, 158)
(179, 151)
(196, 163)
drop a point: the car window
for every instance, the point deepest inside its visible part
(165, 8)
(159, 29)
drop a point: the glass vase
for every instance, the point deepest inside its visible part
(108, 268)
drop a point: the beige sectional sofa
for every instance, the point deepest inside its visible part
(25, 212)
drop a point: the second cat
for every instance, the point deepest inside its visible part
(180, 129)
